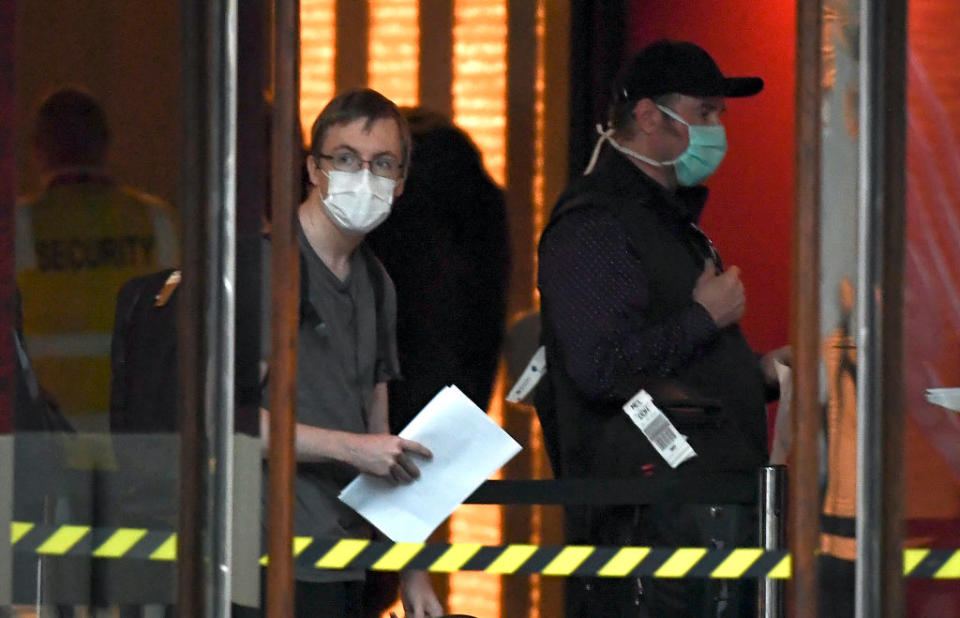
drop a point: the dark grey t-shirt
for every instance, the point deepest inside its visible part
(340, 359)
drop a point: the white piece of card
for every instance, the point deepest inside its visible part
(467, 446)
(949, 398)
(531, 376)
(670, 443)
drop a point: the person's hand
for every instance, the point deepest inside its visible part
(721, 295)
(419, 600)
(769, 360)
(385, 455)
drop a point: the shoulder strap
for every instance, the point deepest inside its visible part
(308, 313)
(375, 272)
(377, 280)
(591, 198)
(578, 201)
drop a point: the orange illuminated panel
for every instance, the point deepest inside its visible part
(394, 50)
(317, 49)
(538, 163)
(539, 208)
(480, 78)
(478, 594)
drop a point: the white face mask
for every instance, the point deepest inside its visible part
(357, 202)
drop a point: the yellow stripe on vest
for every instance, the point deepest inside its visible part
(511, 559)
(342, 553)
(680, 562)
(624, 561)
(63, 539)
(568, 560)
(119, 542)
(455, 557)
(737, 563)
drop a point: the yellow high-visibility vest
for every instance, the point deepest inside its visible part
(76, 244)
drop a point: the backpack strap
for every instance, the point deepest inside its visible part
(584, 199)
(375, 272)
(308, 312)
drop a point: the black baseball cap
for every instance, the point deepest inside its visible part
(667, 67)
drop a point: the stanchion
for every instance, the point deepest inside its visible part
(773, 493)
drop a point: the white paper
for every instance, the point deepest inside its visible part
(947, 397)
(783, 429)
(467, 446)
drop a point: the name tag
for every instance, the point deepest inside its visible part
(670, 443)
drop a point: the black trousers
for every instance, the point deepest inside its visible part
(665, 525)
(333, 600)
(837, 583)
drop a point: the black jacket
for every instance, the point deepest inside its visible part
(716, 398)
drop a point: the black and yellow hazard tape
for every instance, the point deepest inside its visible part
(78, 540)
(561, 561)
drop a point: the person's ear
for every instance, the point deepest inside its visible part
(398, 189)
(647, 115)
(313, 171)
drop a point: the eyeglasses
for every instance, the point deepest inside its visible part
(385, 165)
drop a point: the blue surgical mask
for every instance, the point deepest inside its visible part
(707, 147)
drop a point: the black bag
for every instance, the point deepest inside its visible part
(36, 409)
(143, 351)
(143, 357)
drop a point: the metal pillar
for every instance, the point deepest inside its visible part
(206, 315)
(285, 297)
(804, 504)
(880, 406)
(773, 535)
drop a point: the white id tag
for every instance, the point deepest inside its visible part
(670, 443)
(531, 376)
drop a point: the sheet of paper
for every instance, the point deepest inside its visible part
(947, 397)
(467, 449)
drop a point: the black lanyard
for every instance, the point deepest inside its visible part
(707, 249)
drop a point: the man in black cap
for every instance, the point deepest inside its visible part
(635, 298)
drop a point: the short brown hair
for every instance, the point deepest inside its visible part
(71, 129)
(356, 104)
(621, 113)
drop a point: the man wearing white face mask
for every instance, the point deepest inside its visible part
(634, 297)
(346, 349)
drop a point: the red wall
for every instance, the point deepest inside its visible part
(750, 212)
(932, 291)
